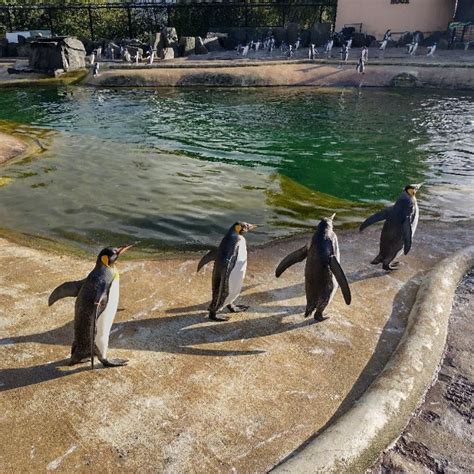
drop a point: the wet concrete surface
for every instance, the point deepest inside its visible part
(196, 395)
(10, 147)
(440, 437)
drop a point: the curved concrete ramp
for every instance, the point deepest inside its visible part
(197, 396)
(354, 442)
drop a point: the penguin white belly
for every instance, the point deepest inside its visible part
(106, 319)
(415, 220)
(237, 275)
(334, 281)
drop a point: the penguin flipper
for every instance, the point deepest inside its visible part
(294, 257)
(407, 233)
(209, 257)
(220, 290)
(69, 288)
(338, 272)
(377, 217)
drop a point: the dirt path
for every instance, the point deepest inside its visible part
(440, 438)
(197, 396)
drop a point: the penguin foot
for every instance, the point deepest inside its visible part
(319, 317)
(237, 308)
(214, 317)
(394, 264)
(388, 267)
(114, 362)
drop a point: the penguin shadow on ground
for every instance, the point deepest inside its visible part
(390, 336)
(176, 334)
(257, 300)
(24, 376)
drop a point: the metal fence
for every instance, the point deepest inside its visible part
(135, 20)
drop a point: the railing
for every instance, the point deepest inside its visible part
(190, 17)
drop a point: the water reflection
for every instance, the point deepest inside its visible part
(176, 167)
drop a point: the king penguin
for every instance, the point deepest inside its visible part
(97, 298)
(230, 265)
(323, 272)
(399, 227)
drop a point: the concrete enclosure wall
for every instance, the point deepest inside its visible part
(377, 16)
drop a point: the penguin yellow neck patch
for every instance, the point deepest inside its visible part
(238, 228)
(105, 260)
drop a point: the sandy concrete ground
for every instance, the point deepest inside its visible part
(10, 147)
(197, 396)
(440, 438)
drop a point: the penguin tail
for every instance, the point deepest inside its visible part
(378, 259)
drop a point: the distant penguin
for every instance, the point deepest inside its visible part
(360, 68)
(383, 45)
(97, 298)
(297, 44)
(230, 265)
(95, 69)
(399, 227)
(328, 48)
(92, 57)
(431, 50)
(323, 272)
(311, 51)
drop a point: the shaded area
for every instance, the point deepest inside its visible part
(389, 338)
(439, 436)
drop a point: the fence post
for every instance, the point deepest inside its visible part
(91, 25)
(129, 15)
(50, 17)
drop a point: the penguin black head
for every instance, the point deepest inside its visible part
(242, 227)
(412, 189)
(326, 222)
(109, 255)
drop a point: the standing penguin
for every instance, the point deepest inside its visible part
(230, 265)
(97, 299)
(323, 272)
(399, 227)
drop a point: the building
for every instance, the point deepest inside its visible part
(377, 16)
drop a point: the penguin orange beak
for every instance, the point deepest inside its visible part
(124, 248)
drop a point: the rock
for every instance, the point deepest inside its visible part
(3, 47)
(167, 53)
(156, 41)
(133, 50)
(404, 79)
(212, 43)
(200, 48)
(320, 33)
(280, 35)
(405, 38)
(169, 36)
(187, 45)
(49, 54)
(292, 32)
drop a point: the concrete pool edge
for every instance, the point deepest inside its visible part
(295, 74)
(354, 441)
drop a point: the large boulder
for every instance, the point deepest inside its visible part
(170, 37)
(200, 48)
(280, 35)
(187, 45)
(212, 44)
(59, 53)
(320, 33)
(167, 53)
(3, 47)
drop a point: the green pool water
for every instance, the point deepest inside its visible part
(174, 168)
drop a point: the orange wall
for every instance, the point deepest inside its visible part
(377, 16)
